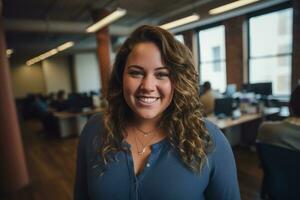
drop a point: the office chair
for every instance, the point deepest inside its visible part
(281, 169)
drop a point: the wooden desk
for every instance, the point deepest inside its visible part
(242, 130)
(229, 122)
(71, 123)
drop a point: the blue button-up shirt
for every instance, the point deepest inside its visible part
(164, 176)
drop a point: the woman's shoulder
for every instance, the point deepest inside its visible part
(95, 122)
(223, 182)
(220, 143)
(91, 132)
(215, 132)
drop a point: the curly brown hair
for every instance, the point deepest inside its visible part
(182, 121)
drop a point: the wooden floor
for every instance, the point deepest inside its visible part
(249, 173)
(51, 165)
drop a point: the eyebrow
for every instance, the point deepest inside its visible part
(141, 68)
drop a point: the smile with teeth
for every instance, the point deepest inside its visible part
(147, 100)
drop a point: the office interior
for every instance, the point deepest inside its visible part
(250, 55)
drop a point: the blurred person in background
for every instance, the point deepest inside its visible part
(208, 98)
(60, 103)
(284, 133)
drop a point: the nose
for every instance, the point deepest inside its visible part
(148, 83)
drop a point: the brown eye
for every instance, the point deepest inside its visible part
(135, 73)
(162, 75)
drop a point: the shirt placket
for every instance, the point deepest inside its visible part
(137, 180)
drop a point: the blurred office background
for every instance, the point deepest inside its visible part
(249, 53)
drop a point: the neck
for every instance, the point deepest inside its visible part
(150, 131)
(145, 124)
(146, 128)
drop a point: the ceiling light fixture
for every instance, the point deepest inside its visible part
(118, 13)
(230, 6)
(9, 52)
(180, 22)
(65, 46)
(49, 53)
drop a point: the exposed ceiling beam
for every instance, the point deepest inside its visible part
(42, 26)
(188, 8)
(227, 15)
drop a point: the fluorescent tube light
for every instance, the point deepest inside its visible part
(49, 53)
(65, 46)
(106, 20)
(230, 6)
(181, 22)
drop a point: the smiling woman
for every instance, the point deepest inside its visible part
(152, 142)
(147, 86)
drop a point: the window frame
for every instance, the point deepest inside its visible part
(265, 11)
(197, 31)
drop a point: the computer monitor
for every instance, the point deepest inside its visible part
(263, 88)
(245, 87)
(85, 101)
(77, 101)
(230, 89)
(259, 88)
(224, 106)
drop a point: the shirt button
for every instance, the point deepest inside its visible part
(148, 165)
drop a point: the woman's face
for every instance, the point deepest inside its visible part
(147, 87)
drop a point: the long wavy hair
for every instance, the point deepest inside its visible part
(182, 121)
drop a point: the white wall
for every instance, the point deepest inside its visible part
(27, 79)
(87, 75)
(53, 74)
(57, 74)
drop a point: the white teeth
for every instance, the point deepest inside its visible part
(148, 99)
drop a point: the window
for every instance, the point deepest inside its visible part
(212, 57)
(270, 42)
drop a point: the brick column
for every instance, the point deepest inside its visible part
(188, 39)
(103, 51)
(191, 42)
(13, 171)
(234, 50)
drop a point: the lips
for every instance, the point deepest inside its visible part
(147, 100)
